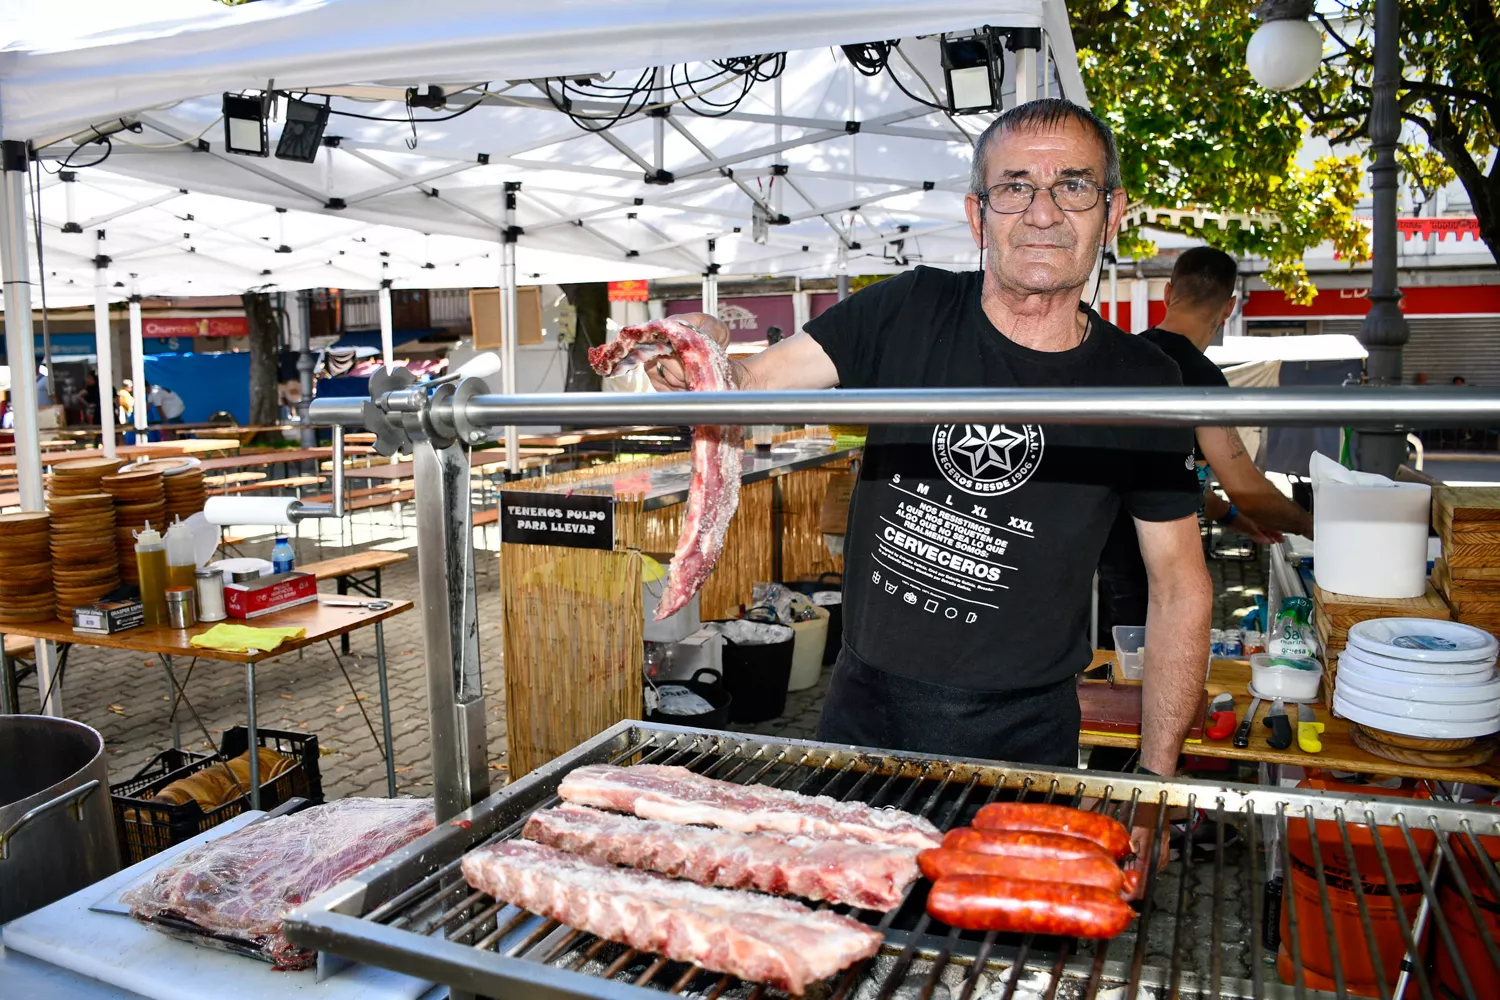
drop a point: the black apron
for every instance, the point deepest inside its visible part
(871, 708)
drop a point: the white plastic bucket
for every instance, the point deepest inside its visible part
(1370, 537)
(807, 651)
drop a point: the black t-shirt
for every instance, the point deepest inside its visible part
(971, 548)
(1122, 571)
(1196, 369)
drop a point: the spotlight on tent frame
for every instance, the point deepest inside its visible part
(972, 68)
(245, 125)
(303, 132)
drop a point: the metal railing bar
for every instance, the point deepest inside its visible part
(546, 927)
(744, 762)
(1411, 961)
(693, 972)
(1324, 902)
(939, 963)
(1063, 954)
(1293, 941)
(475, 921)
(562, 946)
(613, 969)
(1017, 967)
(755, 778)
(1435, 908)
(1462, 882)
(1216, 918)
(483, 944)
(442, 920)
(1184, 882)
(1486, 863)
(1362, 907)
(1096, 972)
(1256, 893)
(1138, 958)
(718, 988)
(651, 971)
(589, 953)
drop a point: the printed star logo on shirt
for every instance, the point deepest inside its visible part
(989, 447)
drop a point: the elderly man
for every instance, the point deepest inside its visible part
(971, 547)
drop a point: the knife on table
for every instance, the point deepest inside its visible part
(1242, 734)
(1280, 726)
(1308, 728)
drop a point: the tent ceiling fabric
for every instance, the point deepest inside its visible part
(875, 201)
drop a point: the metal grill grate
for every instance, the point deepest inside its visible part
(414, 912)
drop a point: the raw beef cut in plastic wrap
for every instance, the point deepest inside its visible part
(243, 884)
(714, 490)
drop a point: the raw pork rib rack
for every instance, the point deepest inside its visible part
(415, 913)
(714, 490)
(869, 875)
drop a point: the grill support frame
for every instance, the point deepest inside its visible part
(374, 916)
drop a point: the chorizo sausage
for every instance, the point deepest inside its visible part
(1105, 831)
(993, 903)
(1023, 844)
(938, 862)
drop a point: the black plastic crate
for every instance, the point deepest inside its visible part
(145, 828)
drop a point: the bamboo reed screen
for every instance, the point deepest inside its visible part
(746, 559)
(804, 553)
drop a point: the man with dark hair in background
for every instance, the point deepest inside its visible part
(1199, 297)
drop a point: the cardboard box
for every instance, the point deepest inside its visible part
(268, 594)
(104, 617)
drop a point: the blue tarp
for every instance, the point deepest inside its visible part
(207, 383)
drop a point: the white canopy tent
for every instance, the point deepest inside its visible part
(819, 170)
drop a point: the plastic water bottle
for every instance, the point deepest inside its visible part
(283, 560)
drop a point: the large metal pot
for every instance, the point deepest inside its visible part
(57, 831)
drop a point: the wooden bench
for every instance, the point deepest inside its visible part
(233, 478)
(360, 570)
(295, 482)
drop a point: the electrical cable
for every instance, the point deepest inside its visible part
(174, 142)
(41, 270)
(68, 164)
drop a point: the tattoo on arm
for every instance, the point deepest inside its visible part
(1236, 445)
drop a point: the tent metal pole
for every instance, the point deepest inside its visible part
(710, 293)
(137, 369)
(20, 349)
(104, 346)
(301, 335)
(508, 319)
(387, 326)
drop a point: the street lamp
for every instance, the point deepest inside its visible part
(1282, 56)
(1286, 50)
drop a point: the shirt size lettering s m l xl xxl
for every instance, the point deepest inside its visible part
(971, 547)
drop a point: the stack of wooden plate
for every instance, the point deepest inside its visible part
(182, 482)
(80, 475)
(185, 492)
(25, 570)
(1466, 752)
(139, 500)
(84, 561)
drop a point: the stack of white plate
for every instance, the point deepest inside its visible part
(1419, 677)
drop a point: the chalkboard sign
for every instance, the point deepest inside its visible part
(576, 521)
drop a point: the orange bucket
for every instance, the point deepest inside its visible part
(1483, 974)
(1359, 968)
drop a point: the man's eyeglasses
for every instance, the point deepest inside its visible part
(1073, 194)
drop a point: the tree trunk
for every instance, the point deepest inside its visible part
(265, 343)
(590, 302)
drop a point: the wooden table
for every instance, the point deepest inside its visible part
(1339, 752)
(131, 452)
(323, 623)
(275, 456)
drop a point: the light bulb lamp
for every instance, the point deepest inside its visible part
(1286, 50)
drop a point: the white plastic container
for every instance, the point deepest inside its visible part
(807, 651)
(1411, 708)
(1370, 537)
(1427, 729)
(1415, 671)
(1290, 678)
(675, 627)
(1130, 651)
(1408, 684)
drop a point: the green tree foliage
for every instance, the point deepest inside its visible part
(1197, 131)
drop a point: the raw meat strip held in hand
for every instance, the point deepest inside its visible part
(677, 795)
(758, 938)
(714, 491)
(868, 875)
